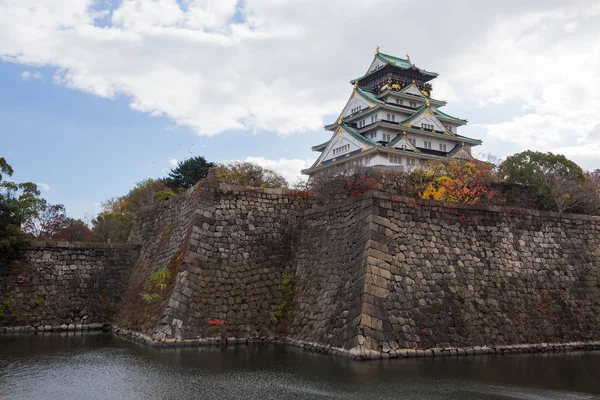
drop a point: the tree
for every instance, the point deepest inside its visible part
(20, 203)
(549, 175)
(114, 222)
(188, 172)
(147, 193)
(594, 178)
(344, 181)
(74, 230)
(249, 174)
(51, 219)
(459, 181)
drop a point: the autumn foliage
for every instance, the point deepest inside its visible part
(459, 182)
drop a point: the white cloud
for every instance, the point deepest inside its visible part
(283, 65)
(528, 131)
(27, 75)
(546, 63)
(288, 168)
(45, 187)
(173, 162)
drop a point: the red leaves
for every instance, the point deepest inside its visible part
(215, 322)
(361, 185)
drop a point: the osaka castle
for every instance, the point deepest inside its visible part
(392, 121)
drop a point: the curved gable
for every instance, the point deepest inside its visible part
(412, 89)
(356, 101)
(426, 117)
(341, 144)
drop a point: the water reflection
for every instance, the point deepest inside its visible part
(100, 366)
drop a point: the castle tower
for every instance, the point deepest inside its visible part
(392, 121)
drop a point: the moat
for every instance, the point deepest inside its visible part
(102, 366)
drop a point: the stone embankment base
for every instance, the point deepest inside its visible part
(361, 353)
(357, 353)
(55, 328)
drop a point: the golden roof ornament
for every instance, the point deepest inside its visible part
(408, 58)
(377, 50)
(355, 84)
(427, 102)
(340, 119)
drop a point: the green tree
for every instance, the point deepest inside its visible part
(20, 204)
(249, 174)
(554, 179)
(114, 222)
(147, 193)
(188, 172)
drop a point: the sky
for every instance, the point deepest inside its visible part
(96, 95)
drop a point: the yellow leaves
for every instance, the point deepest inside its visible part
(437, 189)
(456, 181)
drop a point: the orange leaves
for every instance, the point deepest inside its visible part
(459, 182)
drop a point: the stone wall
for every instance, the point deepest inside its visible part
(371, 276)
(230, 263)
(454, 276)
(330, 256)
(54, 284)
(163, 233)
(377, 275)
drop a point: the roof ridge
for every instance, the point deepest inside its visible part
(357, 135)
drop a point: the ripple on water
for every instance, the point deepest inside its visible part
(110, 369)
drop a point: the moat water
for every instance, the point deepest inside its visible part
(100, 366)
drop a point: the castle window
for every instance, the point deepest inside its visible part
(413, 103)
(442, 147)
(395, 159)
(426, 144)
(413, 141)
(373, 135)
(386, 137)
(426, 126)
(411, 162)
(341, 149)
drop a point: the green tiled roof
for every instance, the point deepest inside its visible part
(397, 62)
(402, 63)
(321, 147)
(417, 112)
(437, 113)
(357, 135)
(367, 95)
(395, 140)
(441, 114)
